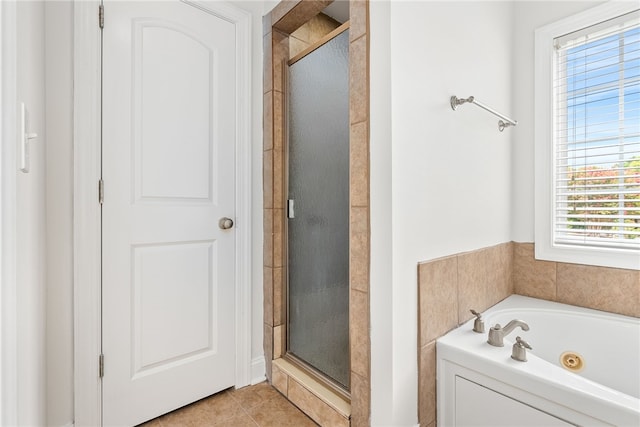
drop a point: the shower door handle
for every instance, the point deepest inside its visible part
(290, 212)
(225, 223)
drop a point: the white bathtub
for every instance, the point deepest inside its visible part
(477, 381)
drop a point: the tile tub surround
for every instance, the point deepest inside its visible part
(614, 290)
(283, 21)
(448, 287)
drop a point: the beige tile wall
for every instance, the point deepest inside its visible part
(609, 289)
(279, 25)
(449, 287)
(359, 230)
(319, 26)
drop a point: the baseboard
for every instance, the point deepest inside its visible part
(258, 370)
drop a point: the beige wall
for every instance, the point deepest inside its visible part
(449, 287)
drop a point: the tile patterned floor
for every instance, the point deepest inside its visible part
(255, 406)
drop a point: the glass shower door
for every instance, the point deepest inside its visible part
(318, 224)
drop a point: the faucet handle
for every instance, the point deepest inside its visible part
(478, 324)
(519, 351)
(522, 343)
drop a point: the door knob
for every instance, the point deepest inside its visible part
(225, 223)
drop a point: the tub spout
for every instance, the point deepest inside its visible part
(497, 332)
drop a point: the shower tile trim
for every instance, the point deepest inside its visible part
(316, 409)
(284, 19)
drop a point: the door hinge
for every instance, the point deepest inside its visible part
(101, 365)
(101, 16)
(101, 191)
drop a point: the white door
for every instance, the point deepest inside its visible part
(168, 148)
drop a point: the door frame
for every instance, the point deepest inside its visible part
(87, 213)
(8, 215)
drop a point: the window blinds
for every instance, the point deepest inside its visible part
(597, 135)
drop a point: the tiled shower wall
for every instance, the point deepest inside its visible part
(311, 32)
(449, 287)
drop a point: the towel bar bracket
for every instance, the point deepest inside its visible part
(505, 121)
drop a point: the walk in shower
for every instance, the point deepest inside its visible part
(318, 209)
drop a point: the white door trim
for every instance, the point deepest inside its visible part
(8, 168)
(87, 160)
(86, 213)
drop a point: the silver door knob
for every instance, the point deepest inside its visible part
(225, 223)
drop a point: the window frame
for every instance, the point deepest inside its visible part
(545, 248)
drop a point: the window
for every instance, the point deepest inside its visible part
(588, 138)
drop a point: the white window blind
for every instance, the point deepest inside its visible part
(596, 135)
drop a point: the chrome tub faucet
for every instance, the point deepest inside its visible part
(497, 332)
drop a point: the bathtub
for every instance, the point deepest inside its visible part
(479, 384)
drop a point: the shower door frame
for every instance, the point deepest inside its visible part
(298, 361)
(285, 18)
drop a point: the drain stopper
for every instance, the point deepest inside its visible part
(572, 361)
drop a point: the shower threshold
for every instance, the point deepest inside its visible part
(319, 401)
